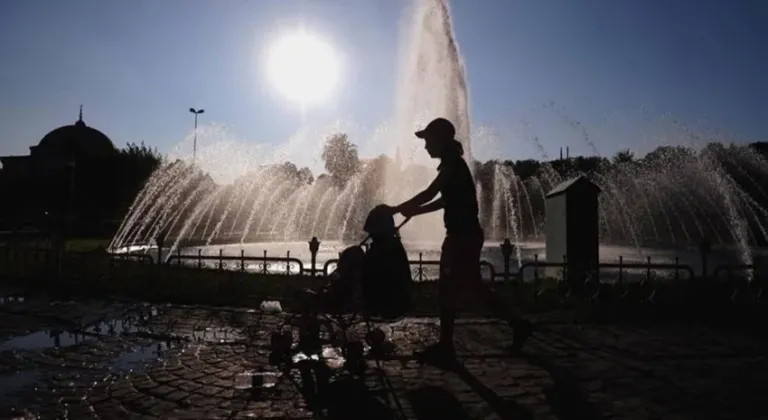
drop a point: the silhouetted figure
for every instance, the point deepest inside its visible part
(463, 244)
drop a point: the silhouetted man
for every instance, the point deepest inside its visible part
(463, 244)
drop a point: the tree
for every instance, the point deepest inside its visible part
(623, 156)
(305, 175)
(341, 158)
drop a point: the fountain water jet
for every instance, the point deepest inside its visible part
(695, 198)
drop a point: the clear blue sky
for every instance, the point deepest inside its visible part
(623, 68)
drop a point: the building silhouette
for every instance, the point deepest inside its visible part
(53, 187)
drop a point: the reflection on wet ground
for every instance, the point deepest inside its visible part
(97, 359)
(61, 347)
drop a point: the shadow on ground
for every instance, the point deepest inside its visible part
(435, 403)
(566, 399)
(350, 399)
(505, 408)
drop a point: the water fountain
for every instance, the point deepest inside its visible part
(676, 197)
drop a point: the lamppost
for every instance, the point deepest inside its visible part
(194, 143)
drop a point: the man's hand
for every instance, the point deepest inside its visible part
(409, 212)
(405, 210)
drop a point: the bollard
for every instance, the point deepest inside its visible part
(265, 262)
(221, 259)
(242, 260)
(314, 246)
(506, 251)
(199, 259)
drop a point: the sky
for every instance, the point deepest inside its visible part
(629, 73)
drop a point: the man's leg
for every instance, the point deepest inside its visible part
(448, 296)
(443, 351)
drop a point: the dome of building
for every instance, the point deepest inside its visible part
(76, 140)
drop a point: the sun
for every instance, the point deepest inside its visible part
(302, 67)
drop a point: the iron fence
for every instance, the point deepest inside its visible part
(422, 269)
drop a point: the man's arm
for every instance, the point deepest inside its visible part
(436, 205)
(423, 197)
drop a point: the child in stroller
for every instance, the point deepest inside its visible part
(377, 279)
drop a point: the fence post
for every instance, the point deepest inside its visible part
(288, 263)
(160, 240)
(314, 246)
(221, 260)
(265, 262)
(199, 259)
(648, 270)
(242, 260)
(535, 268)
(621, 268)
(506, 251)
(421, 267)
(677, 269)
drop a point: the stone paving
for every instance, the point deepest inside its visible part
(115, 361)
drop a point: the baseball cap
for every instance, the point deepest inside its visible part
(439, 127)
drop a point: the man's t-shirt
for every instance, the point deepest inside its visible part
(457, 188)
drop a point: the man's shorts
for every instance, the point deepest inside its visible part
(459, 267)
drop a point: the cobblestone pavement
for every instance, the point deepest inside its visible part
(115, 361)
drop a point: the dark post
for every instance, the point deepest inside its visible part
(621, 268)
(314, 246)
(288, 263)
(160, 240)
(421, 267)
(705, 248)
(506, 251)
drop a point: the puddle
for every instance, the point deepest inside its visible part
(61, 338)
(13, 385)
(115, 327)
(46, 339)
(137, 357)
(215, 335)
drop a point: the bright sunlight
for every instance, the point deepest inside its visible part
(303, 68)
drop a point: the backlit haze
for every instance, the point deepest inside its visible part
(631, 74)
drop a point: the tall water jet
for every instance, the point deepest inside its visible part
(432, 84)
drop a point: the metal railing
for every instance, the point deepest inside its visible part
(422, 269)
(426, 270)
(264, 265)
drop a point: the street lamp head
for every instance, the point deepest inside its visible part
(192, 110)
(200, 111)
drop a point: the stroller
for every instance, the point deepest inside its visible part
(371, 284)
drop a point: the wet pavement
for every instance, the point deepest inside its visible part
(127, 360)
